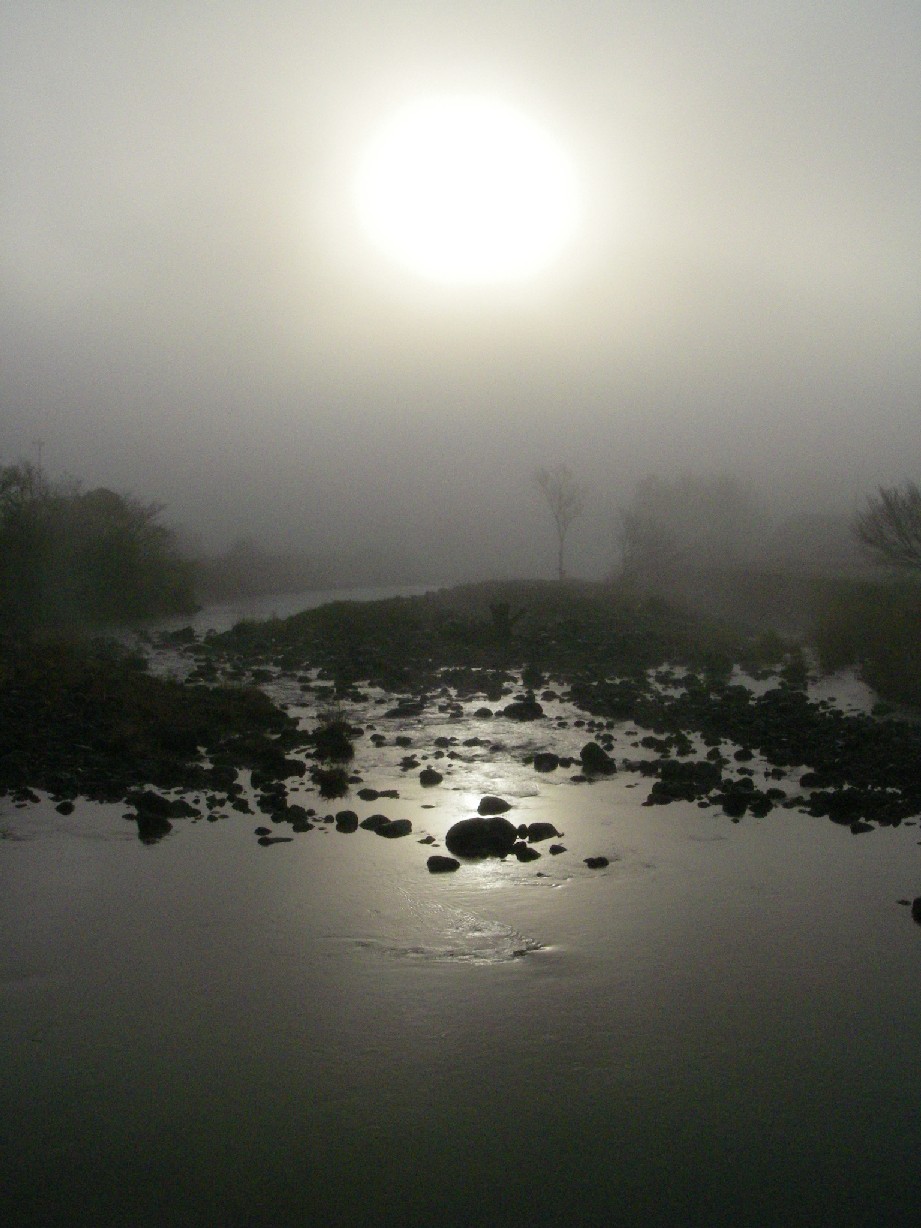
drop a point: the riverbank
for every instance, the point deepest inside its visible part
(648, 677)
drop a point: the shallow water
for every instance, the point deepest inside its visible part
(722, 1026)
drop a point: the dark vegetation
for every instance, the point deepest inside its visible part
(74, 557)
(889, 526)
(406, 644)
(876, 627)
(87, 719)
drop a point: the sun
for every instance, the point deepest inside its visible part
(466, 189)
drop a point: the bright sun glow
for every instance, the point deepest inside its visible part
(466, 190)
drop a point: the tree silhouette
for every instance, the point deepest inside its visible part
(566, 499)
(69, 556)
(889, 526)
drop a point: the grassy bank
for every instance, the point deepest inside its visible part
(541, 627)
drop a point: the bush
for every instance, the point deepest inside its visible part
(72, 557)
(876, 628)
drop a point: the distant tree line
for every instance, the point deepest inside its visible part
(69, 556)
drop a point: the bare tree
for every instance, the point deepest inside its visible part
(890, 526)
(566, 499)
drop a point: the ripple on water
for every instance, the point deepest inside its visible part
(460, 938)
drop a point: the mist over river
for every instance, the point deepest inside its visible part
(720, 1026)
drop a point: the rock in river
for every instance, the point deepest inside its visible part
(442, 865)
(536, 832)
(493, 805)
(596, 761)
(526, 709)
(151, 827)
(481, 837)
(546, 761)
(347, 821)
(391, 828)
(396, 828)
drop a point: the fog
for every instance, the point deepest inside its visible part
(190, 313)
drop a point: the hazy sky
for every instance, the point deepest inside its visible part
(190, 311)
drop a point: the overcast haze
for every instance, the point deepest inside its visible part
(190, 312)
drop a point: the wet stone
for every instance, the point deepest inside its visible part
(536, 832)
(438, 864)
(374, 822)
(152, 827)
(396, 828)
(526, 709)
(546, 761)
(596, 761)
(493, 805)
(481, 837)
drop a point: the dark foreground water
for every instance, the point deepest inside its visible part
(721, 1027)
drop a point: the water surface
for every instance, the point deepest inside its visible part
(722, 1026)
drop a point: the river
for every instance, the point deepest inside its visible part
(719, 1027)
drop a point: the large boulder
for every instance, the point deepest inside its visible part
(596, 761)
(481, 837)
